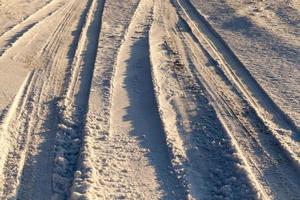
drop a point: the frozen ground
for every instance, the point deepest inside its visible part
(149, 99)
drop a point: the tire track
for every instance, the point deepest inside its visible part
(12, 112)
(57, 70)
(225, 136)
(25, 127)
(106, 74)
(29, 16)
(204, 156)
(262, 152)
(9, 38)
(125, 180)
(87, 183)
(37, 120)
(281, 126)
(268, 155)
(23, 138)
(74, 106)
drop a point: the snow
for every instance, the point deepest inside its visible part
(265, 36)
(149, 99)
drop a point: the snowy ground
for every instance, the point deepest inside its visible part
(149, 99)
(265, 36)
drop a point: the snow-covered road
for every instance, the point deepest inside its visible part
(149, 99)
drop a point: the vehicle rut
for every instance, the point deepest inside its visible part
(259, 140)
(281, 126)
(9, 38)
(33, 131)
(74, 105)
